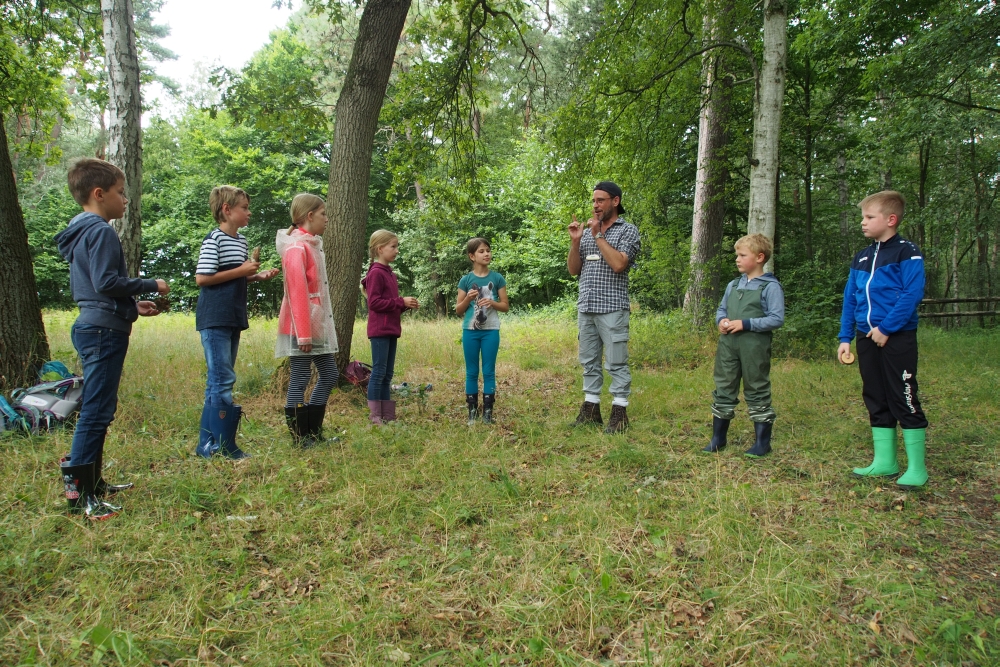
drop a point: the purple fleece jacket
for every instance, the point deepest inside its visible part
(384, 303)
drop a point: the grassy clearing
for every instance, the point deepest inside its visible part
(431, 543)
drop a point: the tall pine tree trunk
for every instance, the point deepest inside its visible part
(710, 180)
(23, 345)
(357, 113)
(767, 122)
(125, 128)
(845, 234)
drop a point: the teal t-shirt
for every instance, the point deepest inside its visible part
(488, 286)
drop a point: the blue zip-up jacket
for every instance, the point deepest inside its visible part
(883, 290)
(98, 276)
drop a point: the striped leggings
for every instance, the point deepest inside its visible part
(301, 367)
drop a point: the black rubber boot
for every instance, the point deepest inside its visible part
(720, 427)
(762, 446)
(102, 488)
(488, 401)
(590, 414)
(317, 413)
(297, 420)
(618, 421)
(472, 403)
(78, 482)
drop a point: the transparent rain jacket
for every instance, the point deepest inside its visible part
(306, 316)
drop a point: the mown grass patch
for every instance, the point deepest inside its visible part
(428, 542)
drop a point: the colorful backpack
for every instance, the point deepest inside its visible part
(42, 406)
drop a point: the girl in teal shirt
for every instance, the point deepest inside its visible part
(481, 294)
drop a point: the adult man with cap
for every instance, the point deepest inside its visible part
(602, 255)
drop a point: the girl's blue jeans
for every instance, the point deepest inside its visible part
(476, 344)
(383, 362)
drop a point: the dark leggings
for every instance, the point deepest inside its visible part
(383, 361)
(301, 367)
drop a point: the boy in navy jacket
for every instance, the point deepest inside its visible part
(885, 286)
(104, 292)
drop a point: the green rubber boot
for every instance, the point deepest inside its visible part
(915, 442)
(884, 464)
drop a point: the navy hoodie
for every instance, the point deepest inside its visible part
(98, 276)
(883, 290)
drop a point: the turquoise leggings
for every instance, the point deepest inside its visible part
(475, 343)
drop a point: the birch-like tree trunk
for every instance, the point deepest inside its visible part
(23, 345)
(710, 179)
(358, 107)
(769, 100)
(125, 127)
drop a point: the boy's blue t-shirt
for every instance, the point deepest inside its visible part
(488, 286)
(225, 304)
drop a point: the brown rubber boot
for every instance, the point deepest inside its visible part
(618, 421)
(590, 414)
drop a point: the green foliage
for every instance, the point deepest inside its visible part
(278, 91)
(183, 162)
(814, 294)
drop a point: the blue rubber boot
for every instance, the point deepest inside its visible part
(225, 421)
(720, 427)
(762, 445)
(207, 446)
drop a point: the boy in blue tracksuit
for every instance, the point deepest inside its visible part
(885, 286)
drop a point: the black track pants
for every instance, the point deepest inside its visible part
(889, 381)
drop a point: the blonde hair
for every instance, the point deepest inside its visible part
(302, 205)
(888, 202)
(225, 194)
(379, 239)
(756, 244)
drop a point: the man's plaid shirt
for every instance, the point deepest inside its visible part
(601, 289)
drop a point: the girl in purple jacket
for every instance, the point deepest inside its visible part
(384, 310)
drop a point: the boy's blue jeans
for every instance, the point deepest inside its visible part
(476, 343)
(383, 363)
(221, 345)
(102, 353)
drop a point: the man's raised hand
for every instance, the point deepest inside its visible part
(575, 230)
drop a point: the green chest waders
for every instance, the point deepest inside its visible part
(746, 356)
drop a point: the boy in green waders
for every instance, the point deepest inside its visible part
(752, 307)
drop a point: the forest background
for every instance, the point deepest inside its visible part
(499, 118)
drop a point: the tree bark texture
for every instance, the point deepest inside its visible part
(769, 100)
(357, 113)
(710, 179)
(23, 345)
(125, 127)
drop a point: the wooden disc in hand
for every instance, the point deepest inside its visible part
(847, 358)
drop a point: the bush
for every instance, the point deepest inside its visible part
(814, 295)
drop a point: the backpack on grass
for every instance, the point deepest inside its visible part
(40, 407)
(358, 373)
